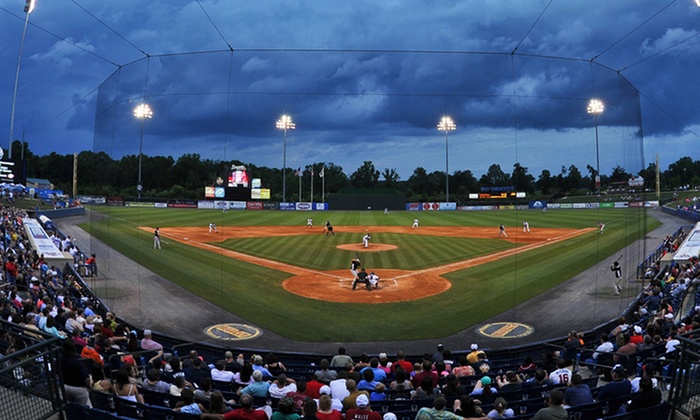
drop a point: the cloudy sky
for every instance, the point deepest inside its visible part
(362, 80)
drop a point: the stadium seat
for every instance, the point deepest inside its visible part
(103, 401)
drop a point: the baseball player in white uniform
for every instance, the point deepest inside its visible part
(526, 226)
(309, 222)
(365, 240)
(373, 280)
(415, 223)
(212, 227)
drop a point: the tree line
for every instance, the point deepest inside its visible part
(186, 177)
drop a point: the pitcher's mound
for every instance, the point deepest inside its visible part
(371, 248)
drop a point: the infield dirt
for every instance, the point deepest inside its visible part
(395, 285)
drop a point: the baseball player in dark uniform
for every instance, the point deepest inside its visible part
(615, 268)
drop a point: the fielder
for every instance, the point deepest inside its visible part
(526, 227)
(309, 222)
(212, 227)
(156, 239)
(365, 240)
(502, 231)
(415, 223)
(601, 227)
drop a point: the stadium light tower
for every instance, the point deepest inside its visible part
(285, 123)
(142, 112)
(28, 9)
(446, 124)
(596, 107)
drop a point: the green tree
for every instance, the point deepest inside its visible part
(494, 177)
(521, 179)
(573, 180)
(545, 183)
(366, 176)
(391, 177)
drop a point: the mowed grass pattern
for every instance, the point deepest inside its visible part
(255, 293)
(414, 252)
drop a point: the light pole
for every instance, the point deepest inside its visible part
(446, 124)
(28, 8)
(596, 107)
(285, 123)
(142, 112)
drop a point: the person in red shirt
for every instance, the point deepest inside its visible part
(362, 412)
(427, 371)
(401, 362)
(246, 412)
(313, 387)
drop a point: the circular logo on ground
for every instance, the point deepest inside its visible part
(506, 330)
(232, 331)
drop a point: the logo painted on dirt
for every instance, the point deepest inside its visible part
(506, 330)
(232, 331)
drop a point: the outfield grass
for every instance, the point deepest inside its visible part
(255, 293)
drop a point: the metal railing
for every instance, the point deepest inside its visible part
(684, 393)
(29, 374)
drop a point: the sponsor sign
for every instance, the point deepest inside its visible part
(537, 204)
(254, 205)
(473, 196)
(562, 206)
(232, 332)
(507, 207)
(477, 208)
(448, 206)
(621, 204)
(205, 204)
(40, 240)
(288, 206)
(219, 192)
(636, 182)
(522, 207)
(506, 330)
(209, 192)
(607, 205)
(691, 245)
(137, 204)
(188, 204)
(636, 204)
(431, 206)
(592, 205)
(414, 206)
(273, 205)
(577, 206)
(304, 206)
(115, 201)
(87, 199)
(160, 205)
(260, 193)
(237, 205)
(652, 203)
(255, 183)
(320, 206)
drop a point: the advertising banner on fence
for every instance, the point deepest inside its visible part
(254, 205)
(288, 206)
(537, 204)
(237, 205)
(182, 204)
(477, 208)
(271, 205)
(115, 201)
(304, 206)
(260, 193)
(89, 199)
(651, 203)
(448, 206)
(320, 206)
(607, 205)
(160, 205)
(577, 206)
(593, 205)
(201, 204)
(137, 204)
(431, 206)
(413, 206)
(621, 204)
(636, 204)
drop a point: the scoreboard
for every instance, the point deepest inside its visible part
(497, 195)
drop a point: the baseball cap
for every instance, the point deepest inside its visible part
(382, 355)
(637, 329)
(389, 416)
(669, 316)
(147, 332)
(325, 390)
(619, 369)
(475, 346)
(486, 380)
(362, 400)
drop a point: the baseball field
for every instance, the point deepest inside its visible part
(450, 273)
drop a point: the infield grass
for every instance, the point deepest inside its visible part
(478, 293)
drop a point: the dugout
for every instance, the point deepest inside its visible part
(366, 202)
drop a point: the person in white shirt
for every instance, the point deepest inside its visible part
(281, 386)
(561, 375)
(219, 373)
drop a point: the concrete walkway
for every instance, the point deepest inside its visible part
(149, 301)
